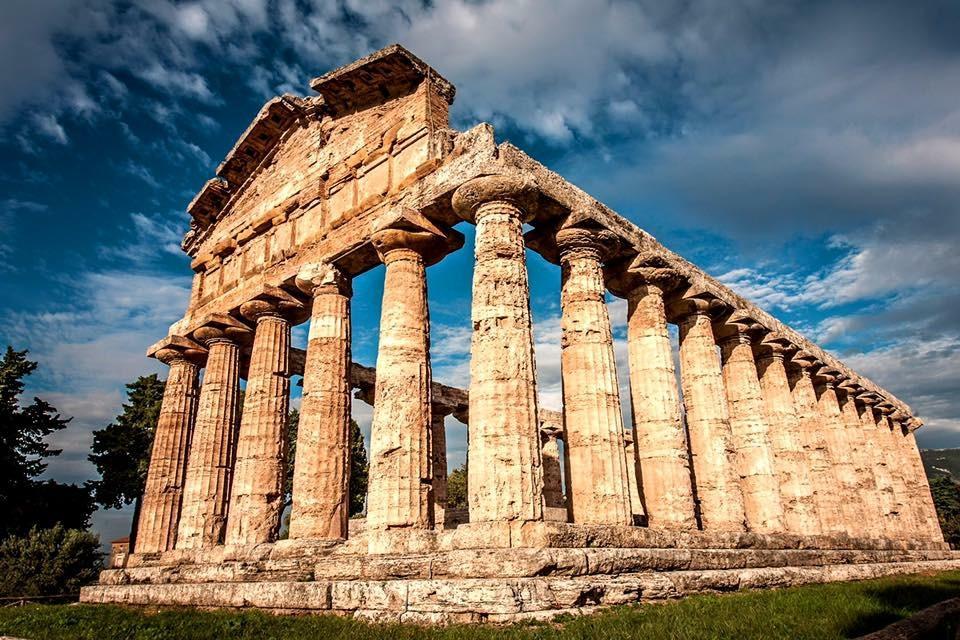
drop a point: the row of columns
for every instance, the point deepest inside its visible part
(766, 442)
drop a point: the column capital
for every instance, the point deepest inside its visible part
(274, 302)
(772, 347)
(738, 327)
(174, 348)
(409, 230)
(598, 244)
(645, 270)
(221, 327)
(515, 190)
(684, 307)
(322, 277)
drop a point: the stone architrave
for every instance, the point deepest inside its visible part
(256, 497)
(206, 492)
(663, 471)
(749, 429)
(321, 474)
(789, 458)
(708, 420)
(841, 453)
(924, 500)
(163, 492)
(399, 493)
(598, 487)
(825, 484)
(505, 477)
(875, 445)
(861, 459)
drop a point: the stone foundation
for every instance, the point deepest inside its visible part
(485, 573)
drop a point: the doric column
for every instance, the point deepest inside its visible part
(438, 456)
(321, 474)
(907, 524)
(163, 493)
(789, 458)
(861, 459)
(553, 497)
(926, 511)
(663, 458)
(206, 493)
(638, 511)
(256, 498)
(875, 446)
(593, 424)
(839, 450)
(819, 462)
(708, 420)
(400, 481)
(505, 477)
(749, 428)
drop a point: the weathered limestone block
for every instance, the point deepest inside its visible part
(820, 464)
(163, 493)
(256, 497)
(708, 420)
(203, 516)
(593, 424)
(321, 475)
(400, 486)
(505, 476)
(862, 461)
(790, 460)
(750, 431)
(840, 452)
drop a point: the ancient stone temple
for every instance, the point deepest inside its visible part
(764, 461)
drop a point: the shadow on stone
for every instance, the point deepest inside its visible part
(899, 602)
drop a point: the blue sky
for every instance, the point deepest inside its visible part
(805, 153)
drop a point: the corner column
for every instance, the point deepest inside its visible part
(908, 525)
(321, 474)
(593, 424)
(708, 420)
(926, 511)
(505, 476)
(875, 446)
(789, 457)
(861, 459)
(206, 493)
(256, 498)
(749, 429)
(163, 493)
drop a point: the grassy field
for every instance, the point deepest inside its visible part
(822, 612)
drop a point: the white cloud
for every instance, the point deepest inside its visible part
(182, 83)
(48, 126)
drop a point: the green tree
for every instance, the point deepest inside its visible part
(946, 498)
(121, 450)
(24, 501)
(48, 562)
(457, 488)
(359, 468)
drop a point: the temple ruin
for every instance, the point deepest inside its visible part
(771, 463)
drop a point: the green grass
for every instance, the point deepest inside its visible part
(841, 610)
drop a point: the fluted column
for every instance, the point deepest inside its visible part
(598, 487)
(820, 464)
(927, 512)
(750, 430)
(708, 420)
(438, 456)
(851, 505)
(660, 440)
(875, 446)
(862, 462)
(789, 457)
(505, 476)
(399, 493)
(206, 493)
(907, 523)
(553, 497)
(321, 474)
(256, 498)
(163, 493)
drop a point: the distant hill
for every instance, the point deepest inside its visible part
(939, 462)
